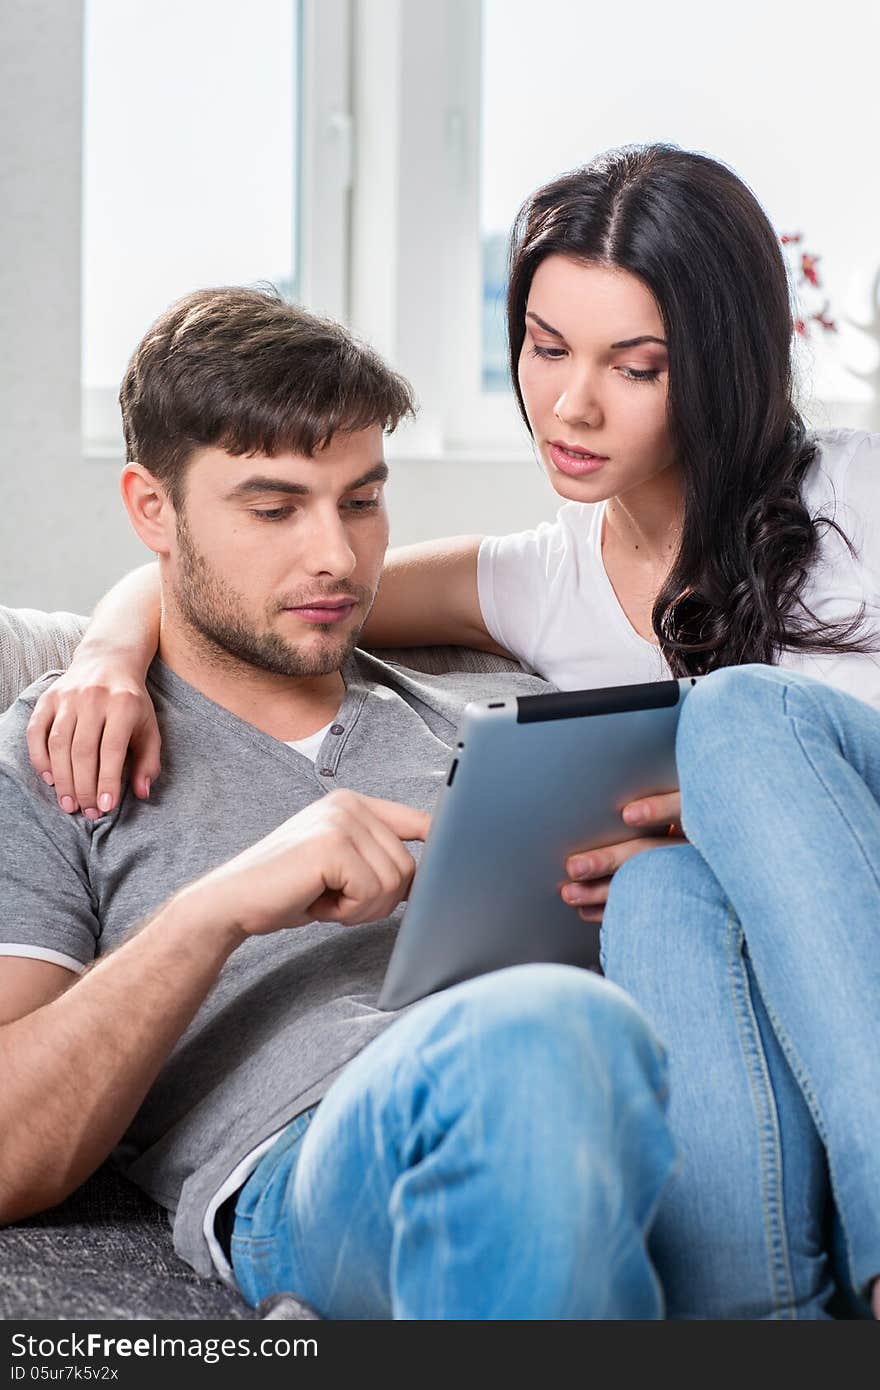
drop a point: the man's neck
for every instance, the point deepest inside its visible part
(285, 707)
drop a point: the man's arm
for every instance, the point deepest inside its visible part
(78, 1061)
(78, 1065)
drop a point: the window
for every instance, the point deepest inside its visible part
(785, 97)
(214, 138)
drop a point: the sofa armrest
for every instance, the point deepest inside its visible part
(32, 643)
(437, 661)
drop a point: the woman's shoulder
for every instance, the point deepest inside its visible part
(836, 448)
(846, 462)
(842, 484)
(573, 527)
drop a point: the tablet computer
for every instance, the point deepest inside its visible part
(533, 779)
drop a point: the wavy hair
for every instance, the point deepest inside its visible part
(696, 236)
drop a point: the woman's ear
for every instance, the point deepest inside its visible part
(149, 508)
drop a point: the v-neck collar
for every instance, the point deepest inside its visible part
(180, 692)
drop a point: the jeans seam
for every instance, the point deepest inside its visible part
(839, 806)
(801, 1076)
(794, 1062)
(769, 1145)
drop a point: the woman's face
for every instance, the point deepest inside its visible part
(593, 374)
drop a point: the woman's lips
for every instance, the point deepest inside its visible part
(575, 463)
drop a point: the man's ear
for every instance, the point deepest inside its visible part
(149, 508)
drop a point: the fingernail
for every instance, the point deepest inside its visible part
(147, 785)
(572, 895)
(633, 814)
(105, 801)
(582, 867)
(68, 804)
(91, 813)
(48, 779)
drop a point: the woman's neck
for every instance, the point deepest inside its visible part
(645, 523)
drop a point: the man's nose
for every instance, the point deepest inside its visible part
(328, 550)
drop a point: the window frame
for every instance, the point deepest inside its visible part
(416, 248)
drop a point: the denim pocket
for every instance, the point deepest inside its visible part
(255, 1265)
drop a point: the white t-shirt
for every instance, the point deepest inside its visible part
(546, 597)
(238, 1177)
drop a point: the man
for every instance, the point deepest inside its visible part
(496, 1151)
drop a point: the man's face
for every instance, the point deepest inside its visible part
(277, 560)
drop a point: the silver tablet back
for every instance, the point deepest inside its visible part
(533, 780)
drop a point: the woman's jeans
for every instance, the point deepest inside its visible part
(498, 1152)
(755, 953)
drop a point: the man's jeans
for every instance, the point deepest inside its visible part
(498, 1152)
(755, 952)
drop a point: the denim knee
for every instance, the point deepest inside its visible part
(650, 896)
(641, 884)
(720, 699)
(550, 1011)
(545, 997)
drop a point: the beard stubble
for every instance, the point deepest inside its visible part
(213, 609)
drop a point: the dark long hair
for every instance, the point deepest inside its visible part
(695, 235)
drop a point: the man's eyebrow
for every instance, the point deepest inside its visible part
(261, 483)
(377, 474)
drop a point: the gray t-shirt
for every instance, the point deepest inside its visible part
(288, 1010)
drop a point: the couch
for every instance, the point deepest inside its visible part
(107, 1252)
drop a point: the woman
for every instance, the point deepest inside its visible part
(650, 344)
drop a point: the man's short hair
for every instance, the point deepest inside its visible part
(245, 371)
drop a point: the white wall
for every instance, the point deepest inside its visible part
(63, 534)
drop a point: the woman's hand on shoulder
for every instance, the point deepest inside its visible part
(83, 727)
(591, 871)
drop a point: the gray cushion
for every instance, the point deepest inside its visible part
(106, 1252)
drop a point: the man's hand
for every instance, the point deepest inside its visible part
(590, 872)
(85, 724)
(340, 860)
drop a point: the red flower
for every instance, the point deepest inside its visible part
(791, 238)
(822, 318)
(808, 268)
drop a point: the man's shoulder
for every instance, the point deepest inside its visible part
(448, 691)
(25, 800)
(14, 722)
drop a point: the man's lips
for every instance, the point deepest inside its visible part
(330, 610)
(570, 459)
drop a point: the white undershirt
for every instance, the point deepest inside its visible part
(546, 597)
(309, 747)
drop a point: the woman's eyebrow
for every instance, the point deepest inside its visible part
(541, 324)
(636, 342)
(615, 347)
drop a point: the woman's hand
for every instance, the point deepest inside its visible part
(83, 727)
(590, 872)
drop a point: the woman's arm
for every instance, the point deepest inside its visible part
(99, 710)
(428, 597)
(82, 728)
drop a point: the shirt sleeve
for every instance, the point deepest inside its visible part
(513, 585)
(47, 908)
(862, 522)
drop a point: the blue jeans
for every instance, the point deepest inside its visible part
(498, 1152)
(755, 952)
